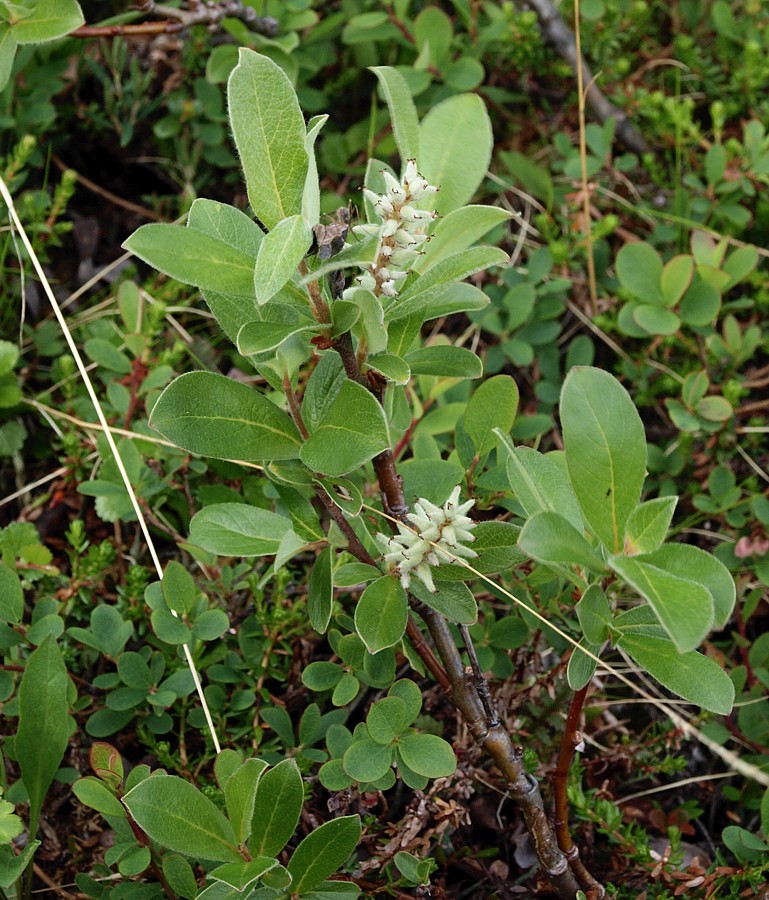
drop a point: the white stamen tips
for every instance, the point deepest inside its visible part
(401, 232)
(436, 539)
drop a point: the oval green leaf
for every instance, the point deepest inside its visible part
(216, 416)
(605, 448)
(177, 815)
(382, 613)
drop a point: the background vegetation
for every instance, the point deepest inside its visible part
(636, 246)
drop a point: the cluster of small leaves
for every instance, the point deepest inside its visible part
(367, 755)
(262, 805)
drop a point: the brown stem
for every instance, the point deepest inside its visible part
(319, 305)
(488, 733)
(293, 405)
(210, 14)
(343, 346)
(481, 685)
(495, 740)
(570, 739)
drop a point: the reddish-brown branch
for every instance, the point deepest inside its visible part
(570, 739)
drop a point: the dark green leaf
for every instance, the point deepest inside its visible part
(605, 451)
(269, 131)
(277, 808)
(322, 852)
(691, 675)
(381, 613)
(320, 591)
(175, 814)
(43, 729)
(237, 529)
(350, 432)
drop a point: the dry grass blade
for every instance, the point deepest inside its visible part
(107, 431)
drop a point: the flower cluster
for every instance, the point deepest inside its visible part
(401, 232)
(439, 537)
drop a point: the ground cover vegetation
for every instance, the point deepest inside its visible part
(383, 449)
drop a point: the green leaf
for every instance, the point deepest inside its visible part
(496, 544)
(346, 690)
(647, 526)
(639, 269)
(550, 538)
(228, 224)
(702, 568)
(700, 304)
(452, 599)
(745, 845)
(322, 852)
(169, 628)
(444, 300)
(269, 132)
(179, 589)
(358, 255)
(683, 607)
(458, 231)
(325, 382)
(277, 808)
(386, 719)
(8, 47)
(605, 449)
(739, 264)
(320, 591)
(691, 675)
(96, 795)
(264, 335)
(108, 633)
(492, 406)
(193, 257)
(581, 667)
(403, 114)
(445, 360)
(11, 596)
(676, 277)
(344, 314)
(311, 194)
(107, 355)
(434, 479)
(50, 19)
(594, 614)
(242, 875)
(539, 483)
(322, 675)
(455, 142)
(106, 763)
(715, 409)
(279, 255)
(367, 761)
(212, 415)
(391, 366)
(179, 817)
(453, 268)
(43, 729)
(210, 625)
(240, 795)
(654, 320)
(12, 866)
(427, 754)
(382, 613)
(237, 529)
(349, 433)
